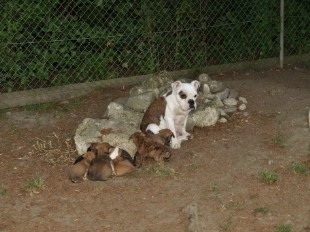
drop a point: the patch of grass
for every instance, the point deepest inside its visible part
(161, 171)
(284, 228)
(309, 149)
(12, 129)
(280, 140)
(215, 186)
(2, 113)
(262, 210)
(193, 166)
(3, 191)
(299, 168)
(34, 184)
(226, 224)
(236, 205)
(268, 177)
(52, 106)
(42, 107)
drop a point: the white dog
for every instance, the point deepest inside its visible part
(171, 111)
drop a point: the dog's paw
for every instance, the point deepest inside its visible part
(175, 143)
(184, 136)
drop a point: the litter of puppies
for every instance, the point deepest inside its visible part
(103, 161)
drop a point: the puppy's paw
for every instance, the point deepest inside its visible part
(175, 143)
(184, 136)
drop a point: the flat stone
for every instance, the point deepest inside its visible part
(243, 100)
(223, 94)
(230, 109)
(206, 89)
(203, 77)
(222, 120)
(206, 117)
(242, 107)
(141, 102)
(216, 86)
(230, 101)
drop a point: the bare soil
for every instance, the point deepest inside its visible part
(217, 172)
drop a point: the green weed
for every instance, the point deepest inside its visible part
(299, 168)
(215, 186)
(34, 184)
(268, 177)
(280, 140)
(193, 166)
(262, 210)
(3, 191)
(284, 228)
(161, 171)
(226, 225)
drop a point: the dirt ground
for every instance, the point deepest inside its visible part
(213, 183)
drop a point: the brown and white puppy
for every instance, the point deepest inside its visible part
(163, 137)
(80, 166)
(122, 161)
(100, 148)
(171, 111)
(146, 148)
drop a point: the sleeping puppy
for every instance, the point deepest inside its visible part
(122, 161)
(101, 168)
(171, 111)
(100, 148)
(80, 166)
(146, 148)
(163, 136)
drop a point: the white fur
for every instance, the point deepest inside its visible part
(177, 110)
(114, 154)
(153, 128)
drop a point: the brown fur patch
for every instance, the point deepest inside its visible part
(146, 148)
(163, 137)
(100, 148)
(123, 163)
(153, 113)
(81, 165)
(106, 131)
(100, 168)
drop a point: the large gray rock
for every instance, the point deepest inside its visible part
(115, 132)
(230, 101)
(216, 86)
(89, 132)
(150, 84)
(142, 101)
(223, 94)
(206, 117)
(123, 113)
(203, 78)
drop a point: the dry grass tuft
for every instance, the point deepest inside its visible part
(53, 150)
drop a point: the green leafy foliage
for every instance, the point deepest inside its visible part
(60, 42)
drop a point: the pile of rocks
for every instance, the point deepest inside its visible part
(215, 103)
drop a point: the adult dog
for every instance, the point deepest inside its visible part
(171, 111)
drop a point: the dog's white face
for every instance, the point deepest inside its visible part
(186, 94)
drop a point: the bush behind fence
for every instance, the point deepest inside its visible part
(57, 42)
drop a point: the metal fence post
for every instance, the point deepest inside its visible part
(281, 33)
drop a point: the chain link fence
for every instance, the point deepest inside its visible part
(59, 42)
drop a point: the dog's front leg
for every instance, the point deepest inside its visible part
(175, 141)
(184, 133)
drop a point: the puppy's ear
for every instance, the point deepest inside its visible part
(78, 159)
(176, 85)
(196, 84)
